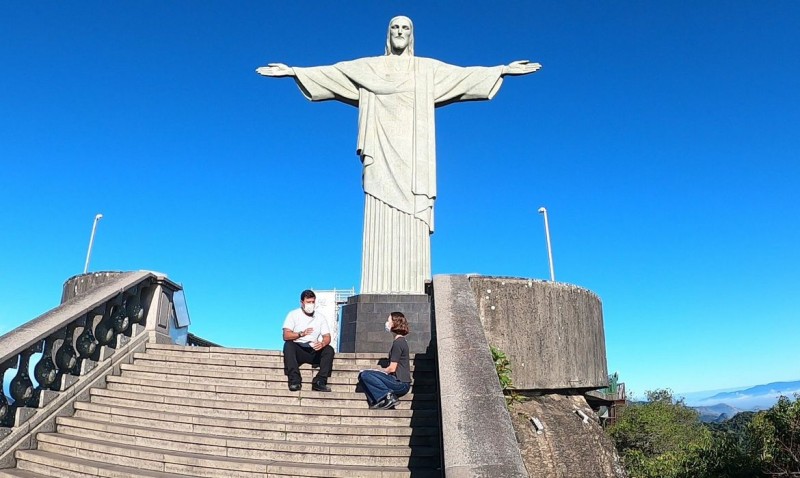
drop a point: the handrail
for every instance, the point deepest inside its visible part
(100, 313)
(195, 341)
(29, 333)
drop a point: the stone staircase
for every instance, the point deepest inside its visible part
(227, 413)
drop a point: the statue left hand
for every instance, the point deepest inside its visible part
(521, 67)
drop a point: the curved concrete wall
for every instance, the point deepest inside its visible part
(83, 283)
(552, 332)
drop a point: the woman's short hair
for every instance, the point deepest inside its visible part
(399, 323)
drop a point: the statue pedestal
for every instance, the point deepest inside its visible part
(364, 316)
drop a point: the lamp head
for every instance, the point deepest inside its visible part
(98, 217)
(542, 210)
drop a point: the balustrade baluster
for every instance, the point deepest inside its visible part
(119, 319)
(86, 343)
(66, 356)
(45, 370)
(133, 306)
(21, 385)
(4, 407)
(104, 332)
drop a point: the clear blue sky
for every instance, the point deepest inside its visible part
(663, 137)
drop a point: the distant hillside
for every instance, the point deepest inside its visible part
(759, 397)
(716, 413)
(774, 389)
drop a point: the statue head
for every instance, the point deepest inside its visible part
(400, 37)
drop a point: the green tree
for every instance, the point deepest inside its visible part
(730, 454)
(775, 438)
(661, 438)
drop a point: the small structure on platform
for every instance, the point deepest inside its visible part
(329, 305)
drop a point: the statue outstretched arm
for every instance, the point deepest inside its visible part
(521, 67)
(275, 70)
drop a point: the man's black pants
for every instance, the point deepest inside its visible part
(294, 355)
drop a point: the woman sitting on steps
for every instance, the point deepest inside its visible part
(383, 387)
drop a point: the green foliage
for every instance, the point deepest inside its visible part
(728, 456)
(661, 438)
(503, 367)
(775, 438)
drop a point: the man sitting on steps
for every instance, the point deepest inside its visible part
(307, 340)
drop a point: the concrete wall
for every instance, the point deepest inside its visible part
(477, 434)
(552, 332)
(83, 283)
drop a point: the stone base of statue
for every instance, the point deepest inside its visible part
(364, 316)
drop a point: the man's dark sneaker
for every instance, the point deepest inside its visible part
(295, 387)
(320, 386)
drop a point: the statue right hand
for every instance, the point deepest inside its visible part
(276, 70)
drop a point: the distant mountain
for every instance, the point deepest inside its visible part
(717, 413)
(775, 389)
(759, 397)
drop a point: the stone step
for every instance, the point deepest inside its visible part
(352, 400)
(270, 399)
(257, 428)
(215, 412)
(216, 445)
(49, 464)
(322, 434)
(338, 379)
(345, 369)
(189, 359)
(226, 353)
(253, 382)
(16, 473)
(194, 464)
(238, 380)
(263, 412)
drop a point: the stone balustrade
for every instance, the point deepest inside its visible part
(100, 313)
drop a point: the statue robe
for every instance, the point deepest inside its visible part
(396, 97)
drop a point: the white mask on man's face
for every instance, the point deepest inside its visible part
(308, 308)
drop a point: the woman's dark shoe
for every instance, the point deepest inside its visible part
(294, 387)
(379, 404)
(391, 400)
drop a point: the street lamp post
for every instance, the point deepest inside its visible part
(543, 211)
(91, 241)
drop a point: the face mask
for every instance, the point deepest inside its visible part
(308, 308)
(387, 326)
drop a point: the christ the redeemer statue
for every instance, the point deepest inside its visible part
(396, 95)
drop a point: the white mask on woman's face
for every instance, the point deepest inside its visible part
(308, 308)
(388, 325)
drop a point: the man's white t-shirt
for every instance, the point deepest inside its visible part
(297, 321)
